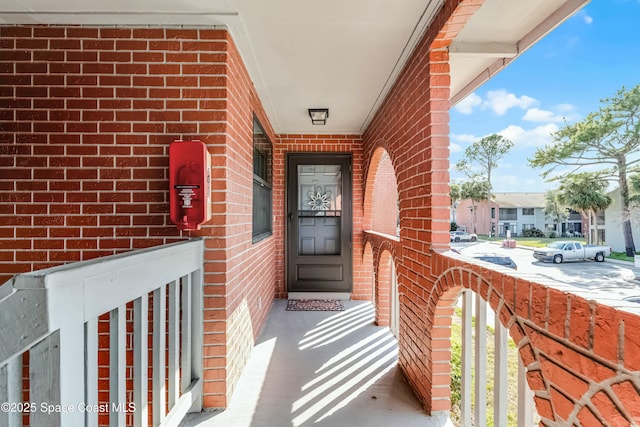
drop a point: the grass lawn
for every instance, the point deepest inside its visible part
(541, 242)
(622, 256)
(537, 242)
(512, 362)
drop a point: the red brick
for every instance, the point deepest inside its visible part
(627, 393)
(580, 322)
(544, 408)
(557, 316)
(608, 409)
(606, 332)
(562, 405)
(631, 343)
(587, 418)
(564, 380)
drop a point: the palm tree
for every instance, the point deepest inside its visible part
(454, 196)
(585, 193)
(554, 209)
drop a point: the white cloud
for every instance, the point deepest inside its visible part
(542, 116)
(464, 137)
(536, 137)
(455, 148)
(558, 114)
(467, 104)
(586, 18)
(500, 101)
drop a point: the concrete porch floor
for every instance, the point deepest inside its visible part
(323, 369)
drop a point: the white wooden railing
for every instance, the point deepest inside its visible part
(50, 319)
(474, 358)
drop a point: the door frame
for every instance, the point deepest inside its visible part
(347, 213)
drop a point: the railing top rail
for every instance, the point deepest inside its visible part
(87, 289)
(90, 267)
(385, 235)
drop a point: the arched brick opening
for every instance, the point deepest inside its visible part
(447, 290)
(384, 252)
(383, 283)
(366, 276)
(381, 195)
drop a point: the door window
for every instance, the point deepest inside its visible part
(319, 209)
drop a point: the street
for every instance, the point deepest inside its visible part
(606, 282)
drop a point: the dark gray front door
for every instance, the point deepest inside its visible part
(319, 224)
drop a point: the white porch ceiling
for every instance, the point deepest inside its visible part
(342, 55)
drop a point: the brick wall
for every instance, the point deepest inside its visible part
(86, 119)
(245, 273)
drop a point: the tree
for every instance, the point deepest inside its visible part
(608, 141)
(585, 192)
(484, 155)
(454, 197)
(634, 200)
(554, 209)
(477, 191)
(635, 190)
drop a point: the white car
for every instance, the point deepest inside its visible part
(462, 236)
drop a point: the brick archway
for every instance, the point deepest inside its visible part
(381, 210)
(368, 280)
(447, 290)
(384, 254)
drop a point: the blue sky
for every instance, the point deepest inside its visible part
(564, 76)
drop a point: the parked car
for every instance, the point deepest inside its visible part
(558, 252)
(502, 260)
(462, 236)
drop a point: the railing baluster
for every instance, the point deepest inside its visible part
(501, 375)
(525, 397)
(186, 334)
(91, 370)
(197, 336)
(174, 343)
(141, 360)
(481, 361)
(159, 349)
(467, 353)
(11, 391)
(44, 380)
(117, 366)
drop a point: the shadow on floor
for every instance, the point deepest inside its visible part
(322, 369)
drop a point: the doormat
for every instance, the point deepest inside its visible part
(315, 305)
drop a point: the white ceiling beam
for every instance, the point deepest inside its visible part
(484, 49)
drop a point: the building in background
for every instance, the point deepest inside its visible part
(515, 213)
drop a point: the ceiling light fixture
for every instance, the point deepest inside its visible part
(318, 116)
